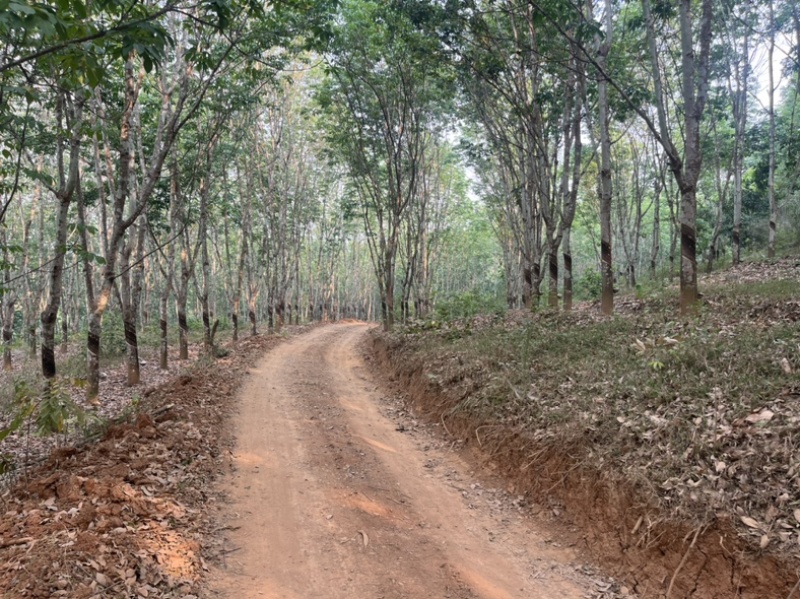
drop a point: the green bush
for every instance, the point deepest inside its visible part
(112, 338)
(150, 336)
(112, 341)
(467, 305)
(589, 285)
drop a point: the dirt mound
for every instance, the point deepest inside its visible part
(620, 524)
(125, 517)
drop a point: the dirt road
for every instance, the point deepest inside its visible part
(330, 501)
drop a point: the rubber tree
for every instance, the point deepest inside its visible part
(8, 296)
(695, 33)
(69, 136)
(130, 199)
(685, 165)
(772, 88)
(378, 98)
(737, 52)
(571, 193)
(605, 180)
(522, 90)
(203, 234)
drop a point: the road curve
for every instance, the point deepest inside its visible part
(329, 501)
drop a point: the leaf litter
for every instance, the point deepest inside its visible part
(699, 415)
(127, 516)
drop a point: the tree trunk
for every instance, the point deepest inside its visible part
(567, 271)
(67, 183)
(773, 204)
(183, 328)
(32, 350)
(9, 298)
(695, 90)
(673, 229)
(93, 356)
(205, 191)
(388, 305)
(740, 122)
(713, 246)
(132, 278)
(251, 312)
(527, 286)
(182, 298)
(50, 313)
(8, 336)
(389, 280)
(163, 362)
(689, 293)
(132, 342)
(552, 258)
(64, 332)
(571, 201)
(8, 331)
(655, 249)
(686, 169)
(606, 264)
(536, 290)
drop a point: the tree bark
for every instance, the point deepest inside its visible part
(131, 279)
(773, 204)
(169, 124)
(739, 95)
(71, 112)
(205, 192)
(655, 248)
(163, 319)
(9, 297)
(685, 169)
(605, 184)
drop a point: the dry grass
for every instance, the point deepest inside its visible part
(700, 414)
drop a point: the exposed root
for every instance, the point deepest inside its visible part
(683, 560)
(796, 586)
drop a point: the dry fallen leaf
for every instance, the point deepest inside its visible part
(751, 522)
(787, 368)
(764, 541)
(772, 513)
(762, 416)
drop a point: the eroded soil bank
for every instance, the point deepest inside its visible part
(616, 523)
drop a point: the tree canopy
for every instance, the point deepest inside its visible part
(231, 161)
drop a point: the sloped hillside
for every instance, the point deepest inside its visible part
(671, 442)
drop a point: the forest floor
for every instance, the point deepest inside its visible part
(670, 442)
(489, 458)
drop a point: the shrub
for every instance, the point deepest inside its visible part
(468, 305)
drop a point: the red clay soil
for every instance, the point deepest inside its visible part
(331, 498)
(126, 516)
(628, 537)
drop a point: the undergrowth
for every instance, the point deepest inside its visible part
(702, 412)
